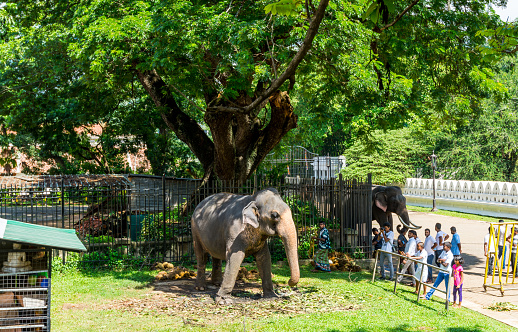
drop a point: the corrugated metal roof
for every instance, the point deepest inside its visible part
(58, 238)
(55, 181)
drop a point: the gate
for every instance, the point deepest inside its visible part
(501, 257)
(147, 218)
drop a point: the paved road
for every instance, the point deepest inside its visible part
(472, 234)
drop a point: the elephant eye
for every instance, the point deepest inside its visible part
(275, 215)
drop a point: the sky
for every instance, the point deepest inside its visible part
(511, 11)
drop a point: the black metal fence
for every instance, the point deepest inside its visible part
(147, 218)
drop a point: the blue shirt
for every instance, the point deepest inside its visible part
(455, 240)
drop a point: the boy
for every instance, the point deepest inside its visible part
(445, 261)
(387, 238)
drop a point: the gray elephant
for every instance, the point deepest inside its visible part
(388, 200)
(231, 227)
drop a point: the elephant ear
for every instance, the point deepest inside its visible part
(250, 215)
(381, 201)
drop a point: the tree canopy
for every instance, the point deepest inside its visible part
(229, 80)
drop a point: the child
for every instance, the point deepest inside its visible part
(458, 279)
(422, 271)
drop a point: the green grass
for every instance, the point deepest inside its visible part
(456, 214)
(335, 301)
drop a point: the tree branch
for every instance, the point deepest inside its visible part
(185, 128)
(378, 30)
(511, 51)
(292, 66)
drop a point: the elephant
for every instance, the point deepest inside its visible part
(231, 227)
(387, 200)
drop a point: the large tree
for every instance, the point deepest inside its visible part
(221, 74)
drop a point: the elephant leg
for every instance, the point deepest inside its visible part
(217, 276)
(201, 260)
(234, 261)
(264, 265)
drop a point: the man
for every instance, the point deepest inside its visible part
(410, 250)
(456, 249)
(387, 238)
(514, 244)
(445, 261)
(429, 245)
(439, 239)
(489, 251)
(501, 239)
(376, 240)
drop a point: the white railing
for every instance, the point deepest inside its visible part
(492, 198)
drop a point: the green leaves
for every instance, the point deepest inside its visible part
(284, 7)
(500, 42)
(379, 9)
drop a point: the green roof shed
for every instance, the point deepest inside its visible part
(45, 236)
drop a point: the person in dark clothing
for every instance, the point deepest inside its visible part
(401, 241)
(376, 239)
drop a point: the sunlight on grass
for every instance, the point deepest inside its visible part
(345, 302)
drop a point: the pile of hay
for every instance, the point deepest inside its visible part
(342, 262)
(244, 274)
(169, 272)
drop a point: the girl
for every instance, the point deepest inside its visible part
(458, 279)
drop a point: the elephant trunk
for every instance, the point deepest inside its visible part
(405, 220)
(288, 233)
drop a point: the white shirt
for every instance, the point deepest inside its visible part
(387, 245)
(439, 235)
(428, 244)
(491, 248)
(515, 243)
(423, 254)
(449, 258)
(417, 240)
(501, 240)
(410, 246)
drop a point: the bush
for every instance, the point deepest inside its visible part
(305, 242)
(304, 212)
(175, 225)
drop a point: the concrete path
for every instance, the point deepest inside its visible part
(472, 234)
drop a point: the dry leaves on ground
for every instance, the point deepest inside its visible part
(198, 308)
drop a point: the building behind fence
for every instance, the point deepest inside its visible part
(147, 218)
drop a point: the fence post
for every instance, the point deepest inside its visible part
(255, 182)
(340, 204)
(63, 211)
(163, 214)
(375, 265)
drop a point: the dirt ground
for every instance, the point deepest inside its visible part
(198, 308)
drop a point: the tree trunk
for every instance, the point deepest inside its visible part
(241, 141)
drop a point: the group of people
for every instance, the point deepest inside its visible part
(445, 254)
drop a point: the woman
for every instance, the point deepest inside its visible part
(422, 271)
(321, 254)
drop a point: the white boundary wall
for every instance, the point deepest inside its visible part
(490, 198)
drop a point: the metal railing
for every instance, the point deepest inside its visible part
(446, 292)
(503, 240)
